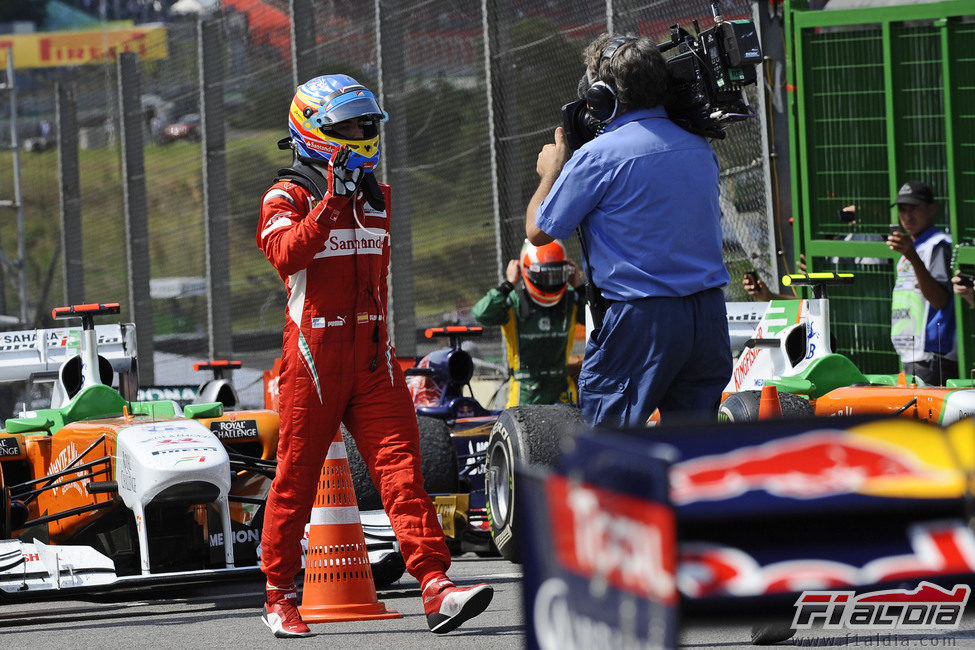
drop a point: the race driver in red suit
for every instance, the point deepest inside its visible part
(324, 226)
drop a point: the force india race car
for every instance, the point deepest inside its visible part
(101, 489)
(792, 350)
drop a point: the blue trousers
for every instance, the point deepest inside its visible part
(666, 353)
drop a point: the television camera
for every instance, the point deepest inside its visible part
(708, 75)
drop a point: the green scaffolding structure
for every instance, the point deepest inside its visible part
(879, 96)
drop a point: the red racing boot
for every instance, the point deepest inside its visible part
(447, 605)
(281, 613)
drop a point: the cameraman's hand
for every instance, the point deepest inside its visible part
(552, 157)
(513, 273)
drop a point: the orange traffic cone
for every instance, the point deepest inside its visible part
(768, 404)
(338, 578)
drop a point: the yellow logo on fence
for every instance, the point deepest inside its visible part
(55, 49)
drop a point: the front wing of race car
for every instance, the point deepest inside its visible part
(35, 569)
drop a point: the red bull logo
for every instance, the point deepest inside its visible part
(942, 548)
(816, 464)
(627, 542)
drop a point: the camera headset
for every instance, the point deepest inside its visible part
(600, 97)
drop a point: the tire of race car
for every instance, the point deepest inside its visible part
(522, 435)
(438, 456)
(743, 406)
(366, 494)
(388, 570)
(438, 462)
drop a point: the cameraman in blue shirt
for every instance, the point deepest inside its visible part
(644, 195)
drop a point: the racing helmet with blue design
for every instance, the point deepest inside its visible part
(323, 102)
(545, 271)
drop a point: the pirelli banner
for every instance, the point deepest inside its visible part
(57, 49)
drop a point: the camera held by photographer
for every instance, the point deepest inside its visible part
(642, 189)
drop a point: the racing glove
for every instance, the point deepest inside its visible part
(343, 184)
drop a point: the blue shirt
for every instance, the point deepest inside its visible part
(645, 193)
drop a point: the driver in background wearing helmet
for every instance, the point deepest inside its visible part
(644, 195)
(324, 226)
(537, 307)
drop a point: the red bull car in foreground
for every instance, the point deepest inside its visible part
(100, 489)
(763, 512)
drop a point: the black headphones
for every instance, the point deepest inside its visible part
(601, 96)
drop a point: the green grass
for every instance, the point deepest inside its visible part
(452, 231)
(175, 212)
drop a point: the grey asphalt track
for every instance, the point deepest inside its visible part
(227, 615)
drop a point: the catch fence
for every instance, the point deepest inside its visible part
(473, 90)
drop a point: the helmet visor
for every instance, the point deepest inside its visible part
(355, 101)
(549, 276)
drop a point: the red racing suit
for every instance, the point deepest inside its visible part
(338, 365)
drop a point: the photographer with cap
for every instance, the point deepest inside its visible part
(644, 195)
(923, 312)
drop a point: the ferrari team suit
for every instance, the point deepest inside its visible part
(539, 342)
(644, 195)
(338, 365)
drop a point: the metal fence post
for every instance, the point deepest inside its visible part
(19, 265)
(391, 58)
(304, 50)
(136, 209)
(509, 206)
(216, 256)
(487, 38)
(70, 180)
(622, 16)
(765, 113)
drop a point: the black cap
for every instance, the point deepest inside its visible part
(914, 193)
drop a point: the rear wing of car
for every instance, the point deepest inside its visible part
(37, 354)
